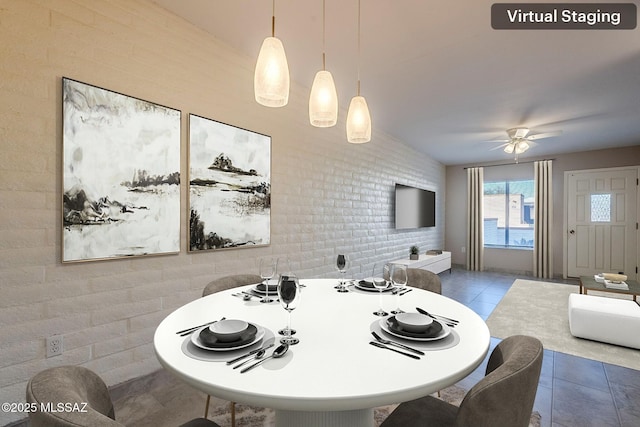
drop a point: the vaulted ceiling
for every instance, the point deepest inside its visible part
(438, 77)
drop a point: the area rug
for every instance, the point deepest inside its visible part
(540, 309)
(249, 416)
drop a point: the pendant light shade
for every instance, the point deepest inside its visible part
(358, 117)
(271, 79)
(323, 101)
(358, 121)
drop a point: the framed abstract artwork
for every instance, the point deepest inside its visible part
(229, 186)
(121, 175)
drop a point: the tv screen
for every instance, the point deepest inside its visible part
(415, 208)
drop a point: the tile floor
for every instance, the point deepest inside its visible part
(573, 391)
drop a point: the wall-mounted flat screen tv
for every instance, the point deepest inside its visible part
(415, 208)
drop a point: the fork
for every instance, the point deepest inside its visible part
(397, 344)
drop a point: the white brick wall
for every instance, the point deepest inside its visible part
(328, 195)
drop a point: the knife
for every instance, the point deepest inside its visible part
(397, 344)
(448, 321)
(377, 344)
(252, 352)
(185, 332)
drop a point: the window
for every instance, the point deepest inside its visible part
(509, 214)
(600, 207)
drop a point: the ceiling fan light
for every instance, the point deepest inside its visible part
(509, 148)
(271, 78)
(323, 101)
(522, 146)
(358, 121)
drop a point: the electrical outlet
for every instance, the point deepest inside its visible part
(464, 249)
(54, 345)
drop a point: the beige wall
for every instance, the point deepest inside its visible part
(328, 195)
(516, 260)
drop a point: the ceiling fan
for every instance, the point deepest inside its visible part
(520, 140)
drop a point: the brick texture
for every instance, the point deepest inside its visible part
(327, 195)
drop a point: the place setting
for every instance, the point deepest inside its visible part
(225, 339)
(267, 288)
(395, 285)
(243, 344)
(412, 333)
(288, 291)
(263, 292)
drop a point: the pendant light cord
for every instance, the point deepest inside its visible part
(324, 62)
(273, 19)
(358, 90)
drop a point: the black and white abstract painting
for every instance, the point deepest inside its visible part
(229, 186)
(121, 175)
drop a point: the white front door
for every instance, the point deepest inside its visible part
(602, 215)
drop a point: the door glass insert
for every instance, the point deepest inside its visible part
(600, 207)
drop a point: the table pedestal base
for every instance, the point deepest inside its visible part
(356, 418)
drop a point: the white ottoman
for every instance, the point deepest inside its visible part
(609, 320)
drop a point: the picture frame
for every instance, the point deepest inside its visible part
(229, 186)
(121, 175)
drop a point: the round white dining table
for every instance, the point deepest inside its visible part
(333, 377)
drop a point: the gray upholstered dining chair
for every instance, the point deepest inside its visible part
(228, 282)
(76, 385)
(504, 397)
(424, 279)
(221, 284)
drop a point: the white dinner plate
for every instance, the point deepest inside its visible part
(358, 284)
(259, 288)
(195, 339)
(444, 333)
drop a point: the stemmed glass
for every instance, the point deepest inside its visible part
(399, 281)
(342, 264)
(289, 294)
(379, 279)
(268, 268)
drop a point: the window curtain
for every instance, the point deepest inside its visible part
(543, 223)
(475, 222)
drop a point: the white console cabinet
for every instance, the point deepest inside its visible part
(434, 263)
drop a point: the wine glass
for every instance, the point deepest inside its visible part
(342, 264)
(289, 294)
(379, 279)
(285, 269)
(268, 268)
(399, 281)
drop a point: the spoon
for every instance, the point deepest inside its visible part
(277, 353)
(259, 355)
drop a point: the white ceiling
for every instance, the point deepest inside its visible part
(438, 77)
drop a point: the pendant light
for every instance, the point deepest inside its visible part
(358, 118)
(323, 100)
(271, 78)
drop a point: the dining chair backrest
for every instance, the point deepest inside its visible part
(505, 396)
(228, 282)
(70, 385)
(74, 396)
(424, 279)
